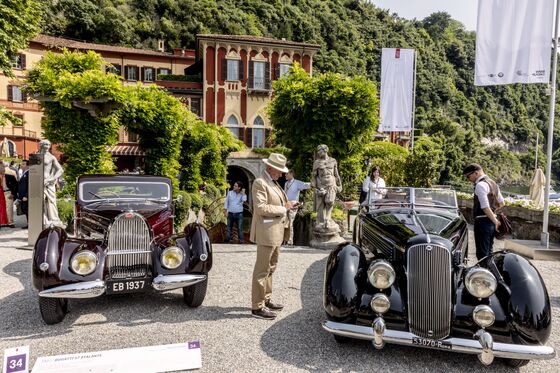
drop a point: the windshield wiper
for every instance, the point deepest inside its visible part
(95, 195)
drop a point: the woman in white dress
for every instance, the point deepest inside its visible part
(374, 185)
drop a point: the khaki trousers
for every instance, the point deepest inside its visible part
(292, 216)
(265, 265)
(9, 206)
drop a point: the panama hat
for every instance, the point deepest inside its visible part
(277, 161)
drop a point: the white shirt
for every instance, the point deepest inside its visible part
(375, 188)
(293, 187)
(482, 189)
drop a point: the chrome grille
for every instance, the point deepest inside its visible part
(429, 291)
(128, 247)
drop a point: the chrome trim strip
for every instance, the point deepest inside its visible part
(170, 282)
(465, 346)
(89, 289)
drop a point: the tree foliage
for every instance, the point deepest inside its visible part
(325, 109)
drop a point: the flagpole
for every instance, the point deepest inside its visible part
(544, 233)
(413, 100)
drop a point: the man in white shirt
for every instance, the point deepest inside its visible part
(487, 198)
(233, 207)
(292, 187)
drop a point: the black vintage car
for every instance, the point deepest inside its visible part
(123, 242)
(405, 280)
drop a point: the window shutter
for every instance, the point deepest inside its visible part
(267, 139)
(267, 75)
(126, 73)
(10, 93)
(276, 71)
(23, 96)
(143, 74)
(224, 69)
(137, 72)
(249, 137)
(23, 65)
(251, 82)
(240, 69)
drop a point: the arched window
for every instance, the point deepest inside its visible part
(258, 132)
(233, 126)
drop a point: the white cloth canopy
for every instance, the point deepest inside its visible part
(536, 192)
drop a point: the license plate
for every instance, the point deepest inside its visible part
(126, 286)
(425, 342)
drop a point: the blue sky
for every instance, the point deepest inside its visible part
(461, 10)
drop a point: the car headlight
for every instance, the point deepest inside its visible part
(380, 303)
(480, 282)
(83, 262)
(483, 315)
(381, 274)
(172, 257)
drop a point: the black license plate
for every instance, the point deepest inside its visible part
(127, 286)
(431, 343)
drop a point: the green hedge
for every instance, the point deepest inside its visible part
(182, 209)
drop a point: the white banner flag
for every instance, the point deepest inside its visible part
(397, 84)
(513, 41)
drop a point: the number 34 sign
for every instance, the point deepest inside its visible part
(16, 360)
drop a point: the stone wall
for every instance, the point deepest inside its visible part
(527, 224)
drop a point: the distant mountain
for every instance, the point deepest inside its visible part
(470, 123)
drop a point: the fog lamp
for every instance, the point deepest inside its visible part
(480, 282)
(381, 274)
(172, 257)
(380, 303)
(83, 262)
(483, 316)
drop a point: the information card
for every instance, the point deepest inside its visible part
(151, 359)
(16, 360)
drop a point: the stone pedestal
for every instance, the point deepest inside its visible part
(326, 238)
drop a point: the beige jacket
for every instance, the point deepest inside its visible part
(270, 225)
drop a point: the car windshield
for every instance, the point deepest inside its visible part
(410, 197)
(90, 191)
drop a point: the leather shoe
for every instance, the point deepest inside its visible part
(263, 313)
(274, 306)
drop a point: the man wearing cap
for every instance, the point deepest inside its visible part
(269, 227)
(487, 198)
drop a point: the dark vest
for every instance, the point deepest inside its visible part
(492, 197)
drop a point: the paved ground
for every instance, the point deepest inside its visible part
(231, 340)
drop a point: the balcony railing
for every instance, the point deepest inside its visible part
(17, 131)
(259, 84)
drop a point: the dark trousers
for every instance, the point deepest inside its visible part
(231, 217)
(25, 209)
(483, 237)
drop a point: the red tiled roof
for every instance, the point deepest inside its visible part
(57, 42)
(258, 39)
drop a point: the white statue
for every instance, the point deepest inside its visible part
(52, 171)
(326, 182)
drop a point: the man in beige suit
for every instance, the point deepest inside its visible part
(270, 226)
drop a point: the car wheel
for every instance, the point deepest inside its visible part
(516, 363)
(194, 295)
(53, 310)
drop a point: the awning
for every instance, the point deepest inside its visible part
(125, 150)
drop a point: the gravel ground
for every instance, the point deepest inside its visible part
(231, 340)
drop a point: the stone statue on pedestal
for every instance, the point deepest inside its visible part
(52, 171)
(326, 183)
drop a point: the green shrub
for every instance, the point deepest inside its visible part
(182, 209)
(66, 211)
(390, 158)
(196, 201)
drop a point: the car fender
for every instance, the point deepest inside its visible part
(341, 289)
(200, 248)
(523, 294)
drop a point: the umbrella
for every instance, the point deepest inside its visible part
(536, 192)
(5, 148)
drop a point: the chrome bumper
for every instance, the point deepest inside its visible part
(171, 282)
(483, 346)
(92, 289)
(89, 289)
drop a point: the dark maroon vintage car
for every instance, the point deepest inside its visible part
(123, 242)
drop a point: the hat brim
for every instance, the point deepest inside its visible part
(276, 166)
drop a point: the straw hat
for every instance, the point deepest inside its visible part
(277, 161)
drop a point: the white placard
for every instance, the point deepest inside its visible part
(397, 85)
(513, 41)
(151, 359)
(16, 360)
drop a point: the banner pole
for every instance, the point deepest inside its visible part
(544, 233)
(413, 100)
